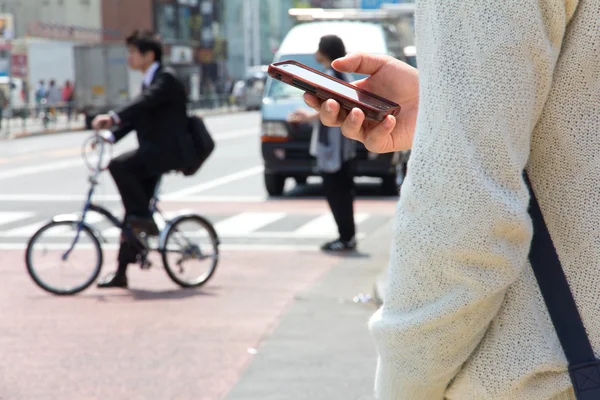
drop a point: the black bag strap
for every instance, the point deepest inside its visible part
(584, 368)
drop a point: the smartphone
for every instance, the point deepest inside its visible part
(327, 87)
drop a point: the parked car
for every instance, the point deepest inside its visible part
(254, 86)
(285, 147)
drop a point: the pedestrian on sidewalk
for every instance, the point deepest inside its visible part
(334, 154)
(3, 105)
(502, 88)
(54, 99)
(67, 98)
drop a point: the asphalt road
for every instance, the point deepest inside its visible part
(45, 175)
(157, 341)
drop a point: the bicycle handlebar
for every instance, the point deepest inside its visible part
(95, 139)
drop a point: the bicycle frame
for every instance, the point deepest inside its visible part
(90, 206)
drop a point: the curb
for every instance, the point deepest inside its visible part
(23, 135)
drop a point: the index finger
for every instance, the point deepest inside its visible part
(361, 63)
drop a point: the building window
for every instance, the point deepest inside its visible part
(166, 21)
(196, 27)
(185, 30)
(178, 20)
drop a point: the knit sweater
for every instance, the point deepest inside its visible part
(504, 86)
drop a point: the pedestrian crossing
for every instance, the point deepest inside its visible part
(19, 226)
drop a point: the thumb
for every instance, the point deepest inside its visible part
(361, 63)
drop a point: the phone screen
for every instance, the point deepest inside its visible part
(334, 86)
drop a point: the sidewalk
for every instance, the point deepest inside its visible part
(322, 349)
(16, 128)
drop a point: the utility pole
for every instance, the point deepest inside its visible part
(256, 31)
(246, 29)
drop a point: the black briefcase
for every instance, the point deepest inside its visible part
(203, 144)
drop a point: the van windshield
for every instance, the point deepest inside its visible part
(278, 89)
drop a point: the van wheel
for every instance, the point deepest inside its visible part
(389, 186)
(274, 184)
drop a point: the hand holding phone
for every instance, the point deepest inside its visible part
(327, 87)
(387, 77)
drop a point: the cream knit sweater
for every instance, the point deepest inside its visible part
(504, 85)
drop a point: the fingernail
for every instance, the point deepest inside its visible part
(327, 106)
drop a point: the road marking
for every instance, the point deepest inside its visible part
(70, 151)
(42, 198)
(222, 247)
(236, 134)
(245, 223)
(73, 162)
(325, 225)
(30, 229)
(36, 169)
(113, 233)
(6, 217)
(214, 183)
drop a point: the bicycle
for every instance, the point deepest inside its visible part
(90, 237)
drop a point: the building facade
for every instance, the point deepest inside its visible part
(121, 17)
(60, 19)
(247, 46)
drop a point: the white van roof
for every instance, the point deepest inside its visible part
(357, 36)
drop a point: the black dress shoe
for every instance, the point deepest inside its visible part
(144, 224)
(339, 245)
(113, 281)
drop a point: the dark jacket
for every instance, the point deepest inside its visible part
(159, 117)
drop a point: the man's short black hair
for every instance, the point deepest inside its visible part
(144, 42)
(332, 47)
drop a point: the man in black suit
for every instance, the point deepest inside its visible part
(159, 117)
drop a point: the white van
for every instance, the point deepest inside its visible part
(285, 147)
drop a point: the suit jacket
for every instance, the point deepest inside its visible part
(159, 117)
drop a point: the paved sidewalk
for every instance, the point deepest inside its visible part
(322, 349)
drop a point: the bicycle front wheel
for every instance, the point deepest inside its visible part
(191, 251)
(62, 259)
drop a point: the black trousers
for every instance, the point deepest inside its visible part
(136, 187)
(339, 191)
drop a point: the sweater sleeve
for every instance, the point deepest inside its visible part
(462, 232)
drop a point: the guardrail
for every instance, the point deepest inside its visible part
(32, 120)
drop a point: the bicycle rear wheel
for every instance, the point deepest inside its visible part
(56, 244)
(191, 238)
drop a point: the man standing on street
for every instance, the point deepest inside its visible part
(159, 116)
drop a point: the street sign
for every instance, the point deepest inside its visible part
(375, 4)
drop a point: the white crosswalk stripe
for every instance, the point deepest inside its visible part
(246, 223)
(7, 217)
(253, 225)
(325, 225)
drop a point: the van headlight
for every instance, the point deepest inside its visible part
(274, 131)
